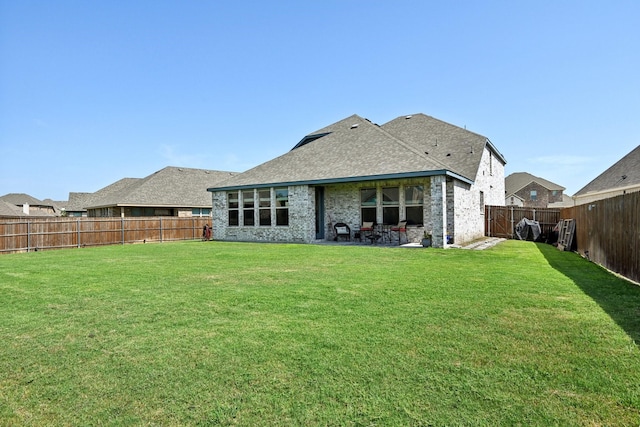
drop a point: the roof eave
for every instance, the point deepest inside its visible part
(403, 175)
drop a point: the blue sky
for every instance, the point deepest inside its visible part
(92, 92)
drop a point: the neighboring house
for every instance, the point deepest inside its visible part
(434, 175)
(171, 191)
(567, 201)
(76, 205)
(529, 191)
(623, 177)
(9, 209)
(30, 205)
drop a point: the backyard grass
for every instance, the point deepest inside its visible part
(212, 333)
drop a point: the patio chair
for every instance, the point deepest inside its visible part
(342, 230)
(401, 228)
(368, 231)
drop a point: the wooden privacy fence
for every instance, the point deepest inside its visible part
(31, 234)
(608, 233)
(500, 221)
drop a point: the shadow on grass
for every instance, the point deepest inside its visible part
(619, 298)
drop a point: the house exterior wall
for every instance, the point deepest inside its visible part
(342, 204)
(512, 200)
(301, 226)
(544, 196)
(465, 203)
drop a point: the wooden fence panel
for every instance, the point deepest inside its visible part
(20, 234)
(500, 221)
(608, 233)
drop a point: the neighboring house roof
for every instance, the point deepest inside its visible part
(354, 149)
(20, 199)
(518, 180)
(9, 209)
(624, 173)
(78, 201)
(171, 186)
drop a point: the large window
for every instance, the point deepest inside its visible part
(248, 205)
(282, 206)
(414, 201)
(368, 204)
(232, 200)
(264, 206)
(390, 205)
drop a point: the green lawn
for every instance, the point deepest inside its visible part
(212, 333)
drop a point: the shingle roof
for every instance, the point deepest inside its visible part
(20, 199)
(518, 180)
(458, 149)
(625, 172)
(356, 149)
(9, 209)
(171, 186)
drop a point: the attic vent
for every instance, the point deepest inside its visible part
(355, 125)
(408, 117)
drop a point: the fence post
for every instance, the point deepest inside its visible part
(512, 226)
(160, 229)
(78, 231)
(122, 227)
(28, 235)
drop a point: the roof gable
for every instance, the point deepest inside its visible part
(518, 180)
(624, 173)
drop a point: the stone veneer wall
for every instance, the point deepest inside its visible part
(465, 221)
(301, 226)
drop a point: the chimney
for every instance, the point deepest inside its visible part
(25, 208)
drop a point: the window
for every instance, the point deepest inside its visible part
(232, 200)
(414, 200)
(201, 211)
(264, 206)
(482, 201)
(390, 205)
(282, 206)
(533, 195)
(248, 208)
(368, 204)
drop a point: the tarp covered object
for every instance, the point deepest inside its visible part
(528, 229)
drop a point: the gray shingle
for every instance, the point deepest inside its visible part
(356, 148)
(625, 172)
